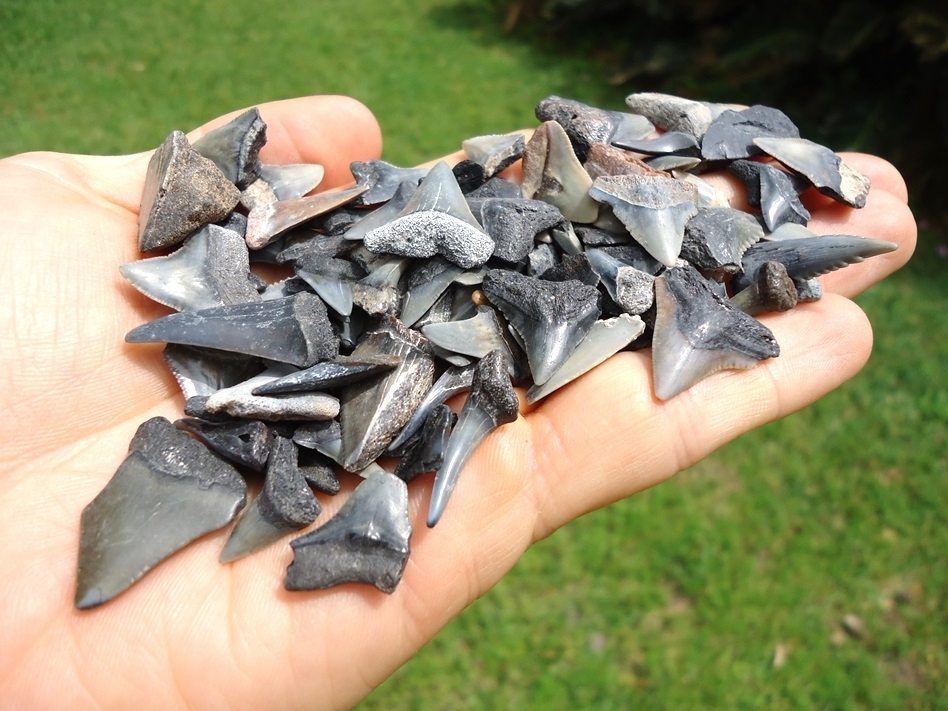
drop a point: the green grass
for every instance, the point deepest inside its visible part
(679, 597)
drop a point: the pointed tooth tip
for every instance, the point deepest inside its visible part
(87, 599)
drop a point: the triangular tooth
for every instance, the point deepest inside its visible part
(238, 401)
(779, 202)
(553, 173)
(235, 147)
(731, 135)
(330, 277)
(513, 224)
(495, 152)
(427, 282)
(673, 163)
(576, 266)
(367, 541)
(382, 215)
(245, 442)
(604, 339)
(168, 492)
(378, 293)
(291, 182)
(717, 237)
(210, 269)
(285, 504)
(295, 330)
(708, 194)
(183, 192)
(772, 291)
(439, 192)
(670, 143)
(698, 333)
(492, 402)
(201, 371)
(267, 222)
(323, 437)
(475, 336)
(672, 113)
(551, 317)
(330, 374)
(318, 473)
(427, 452)
(605, 159)
(382, 179)
(587, 125)
(453, 381)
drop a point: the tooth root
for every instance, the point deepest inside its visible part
(382, 215)
(491, 403)
(336, 292)
(239, 401)
(494, 153)
(717, 237)
(246, 443)
(427, 453)
(772, 291)
(235, 147)
(367, 541)
(383, 180)
(421, 296)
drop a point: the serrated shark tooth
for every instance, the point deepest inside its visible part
(455, 380)
(492, 402)
(285, 504)
(382, 179)
(587, 125)
(731, 135)
(698, 333)
(605, 339)
(235, 147)
(553, 173)
(717, 237)
(427, 452)
(475, 336)
(168, 492)
(330, 374)
(551, 317)
(267, 222)
(653, 209)
(367, 541)
(210, 269)
(771, 291)
(243, 442)
(291, 182)
(494, 152)
(239, 401)
(202, 372)
(295, 329)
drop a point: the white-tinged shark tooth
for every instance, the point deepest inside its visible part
(343, 370)
(717, 237)
(382, 179)
(698, 333)
(168, 492)
(382, 215)
(553, 173)
(708, 194)
(235, 147)
(204, 371)
(210, 269)
(822, 167)
(492, 402)
(605, 339)
(367, 541)
(771, 291)
(653, 209)
(731, 135)
(453, 381)
(551, 317)
(285, 504)
(604, 159)
(789, 230)
(267, 222)
(295, 329)
(494, 152)
(183, 192)
(426, 453)
(427, 282)
(475, 336)
(587, 125)
(672, 113)
(673, 163)
(239, 401)
(245, 442)
(291, 182)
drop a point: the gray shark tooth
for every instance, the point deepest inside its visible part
(586, 125)
(553, 173)
(267, 222)
(245, 442)
(551, 317)
(330, 374)
(235, 147)
(331, 278)
(427, 452)
(779, 202)
(698, 333)
(672, 143)
(382, 215)
(708, 194)
(201, 371)
(731, 135)
(285, 504)
(564, 236)
(672, 113)
(324, 437)
(475, 336)
(605, 339)
(672, 163)
(596, 237)
(717, 237)
(607, 267)
(653, 209)
(382, 179)
(317, 472)
(822, 167)
(183, 191)
(239, 401)
(541, 259)
(378, 293)
(789, 230)
(374, 411)
(290, 286)
(426, 283)
(367, 541)
(210, 269)
(494, 152)
(605, 159)
(497, 188)
(470, 175)
(168, 492)
(576, 266)
(291, 182)
(514, 223)
(304, 245)
(772, 291)
(810, 257)
(492, 402)
(635, 290)
(295, 330)
(453, 381)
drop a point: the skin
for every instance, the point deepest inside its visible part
(196, 634)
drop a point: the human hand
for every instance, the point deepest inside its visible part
(196, 634)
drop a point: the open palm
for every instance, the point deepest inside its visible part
(196, 634)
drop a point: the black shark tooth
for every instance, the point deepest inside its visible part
(731, 135)
(245, 442)
(426, 454)
(717, 237)
(329, 374)
(235, 147)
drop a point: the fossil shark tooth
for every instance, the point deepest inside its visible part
(708, 194)
(330, 374)
(514, 223)
(494, 152)
(771, 291)
(295, 329)
(497, 187)
(605, 339)
(267, 222)
(426, 283)
(541, 259)
(475, 336)
(653, 209)
(492, 402)
(285, 504)
(564, 236)
(551, 317)
(635, 290)
(382, 215)
(455, 380)
(201, 371)
(779, 202)
(426, 454)
(183, 192)
(374, 411)
(672, 163)
(789, 230)
(605, 159)
(210, 269)
(169, 491)
(245, 442)
(235, 147)
(672, 113)
(367, 541)
(596, 237)
(378, 292)
(731, 135)
(324, 437)
(333, 279)
(317, 472)
(822, 167)
(698, 333)
(553, 173)
(810, 256)
(239, 401)
(586, 125)
(717, 237)
(293, 181)
(671, 143)
(382, 179)
(576, 266)
(808, 289)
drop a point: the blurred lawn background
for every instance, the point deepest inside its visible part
(728, 587)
